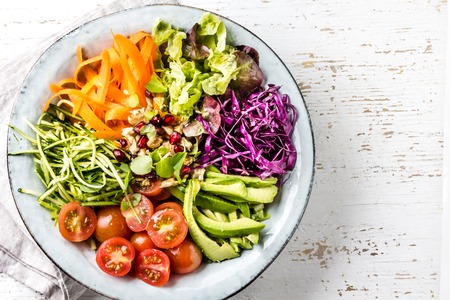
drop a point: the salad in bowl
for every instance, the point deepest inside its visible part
(165, 155)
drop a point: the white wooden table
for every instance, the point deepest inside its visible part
(373, 76)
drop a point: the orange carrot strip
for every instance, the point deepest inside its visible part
(128, 82)
(79, 54)
(89, 73)
(116, 95)
(135, 83)
(103, 77)
(90, 117)
(73, 92)
(137, 61)
(146, 52)
(55, 88)
(117, 113)
(89, 85)
(115, 65)
(81, 66)
(136, 37)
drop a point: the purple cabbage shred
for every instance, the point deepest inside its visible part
(255, 135)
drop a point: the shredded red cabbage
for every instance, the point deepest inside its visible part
(255, 136)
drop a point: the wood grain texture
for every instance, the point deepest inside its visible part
(373, 77)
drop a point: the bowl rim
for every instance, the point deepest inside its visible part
(64, 35)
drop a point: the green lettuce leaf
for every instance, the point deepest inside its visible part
(212, 32)
(162, 31)
(175, 45)
(186, 78)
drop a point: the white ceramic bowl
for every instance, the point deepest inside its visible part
(210, 281)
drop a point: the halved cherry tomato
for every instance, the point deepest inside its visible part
(114, 256)
(167, 228)
(76, 223)
(163, 195)
(169, 205)
(111, 223)
(184, 258)
(138, 219)
(141, 241)
(147, 190)
(153, 267)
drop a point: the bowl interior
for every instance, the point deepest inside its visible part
(217, 280)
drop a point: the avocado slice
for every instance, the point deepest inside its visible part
(239, 227)
(257, 195)
(206, 200)
(214, 202)
(233, 188)
(250, 181)
(209, 247)
(261, 195)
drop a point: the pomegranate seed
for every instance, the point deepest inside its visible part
(123, 143)
(148, 94)
(160, 131)
(156, 121)
(142, 142)
(175, 138)
(152, 176)
(185, 170)
(168, 120)
(178, 148)
(138, 127)
(119, 155)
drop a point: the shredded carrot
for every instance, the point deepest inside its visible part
(116, 95)
(103, 77)
(148, 51)
(100, 88)
(81, 67)
(79, 54)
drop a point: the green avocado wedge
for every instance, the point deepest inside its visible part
(211, 249)
(239, 227)
(231, 188)
(249, 181)
(206, 200)
(262, 195)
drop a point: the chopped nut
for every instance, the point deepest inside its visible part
(142, 152)
(186, 144)
(133, 147)
(136, 116)
(167, 129)
(180, 126)
(188, 160)
(169, 182)
(198, 173)
(145, 182)
(128, 131)
(154, 142)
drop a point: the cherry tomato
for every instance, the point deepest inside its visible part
(163, 195)
(114, 256)
(184, 258)
(76, 223)
(138, 219)
(149, 190)
(111, 223)
(153, 267)
(169, 205)
(141, 241)
(167, 228)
